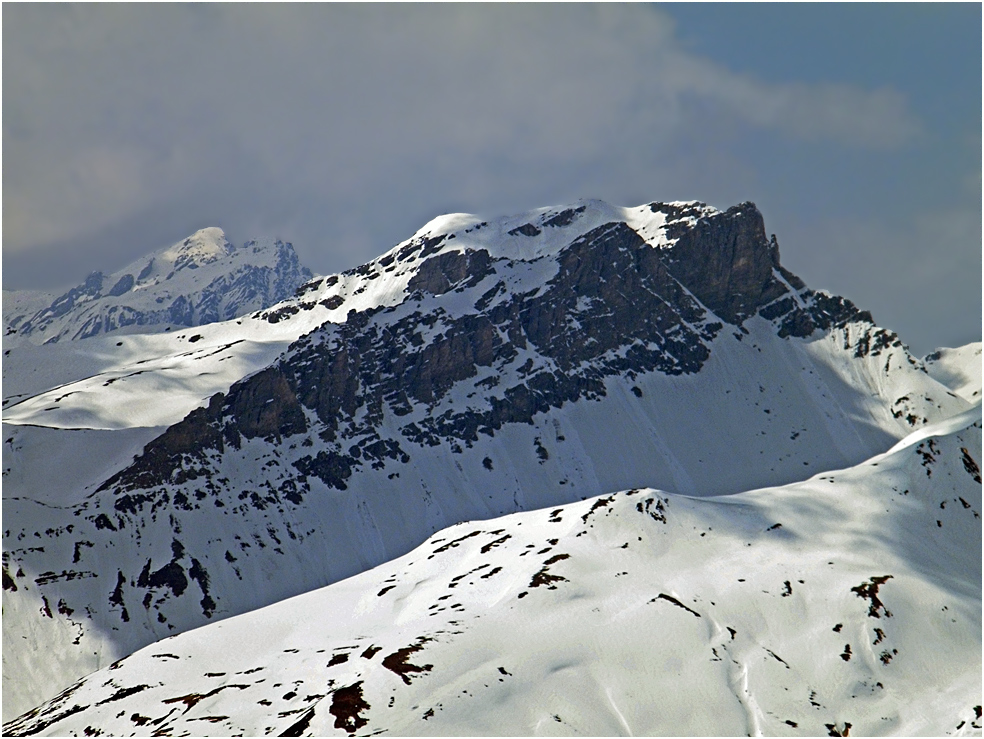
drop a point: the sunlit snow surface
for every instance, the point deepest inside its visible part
(849, 601)
(959, 369)
(116, 382)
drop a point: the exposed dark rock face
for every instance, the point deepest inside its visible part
(726, 262)
(267, 407)
(527, 229)
(564, 218)
(123, 285)
(821, 312)
(88, 290)
(440, 274)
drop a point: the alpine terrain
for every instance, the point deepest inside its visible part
(586, 469)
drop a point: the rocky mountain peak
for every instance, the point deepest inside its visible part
(201, 279)
(725, 259)
(202, 247)
(536, 317)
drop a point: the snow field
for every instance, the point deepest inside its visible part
(668, 615)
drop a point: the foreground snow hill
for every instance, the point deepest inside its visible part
(477, 369)
(846, 603)
(201, 279)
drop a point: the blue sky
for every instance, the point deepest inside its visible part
(858, 207)
(855, 128)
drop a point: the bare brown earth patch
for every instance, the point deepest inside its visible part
(869, 591)
(543, 577)
(346, 705)
(397, 662)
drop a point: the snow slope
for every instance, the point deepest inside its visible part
(24, 303)
(959, 369)
(849, 602)
(201, 280)
(116, 382)
(477, 369)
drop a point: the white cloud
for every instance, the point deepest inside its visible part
(113, 109)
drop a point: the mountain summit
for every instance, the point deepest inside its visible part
(202, 279)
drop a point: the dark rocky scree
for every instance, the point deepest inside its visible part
(615, 307)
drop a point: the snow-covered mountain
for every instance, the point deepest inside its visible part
(849, 602)
(201, 279)
(477, 369)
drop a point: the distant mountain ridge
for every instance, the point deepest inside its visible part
(199, 280)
